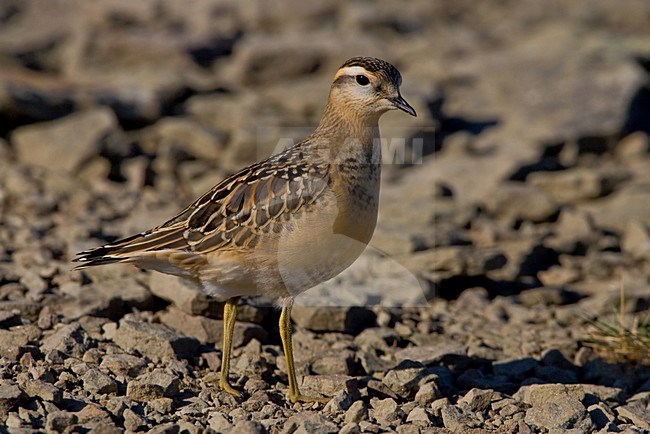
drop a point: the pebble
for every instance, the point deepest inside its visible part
(154, 341)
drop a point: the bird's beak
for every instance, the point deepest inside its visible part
(401, 104)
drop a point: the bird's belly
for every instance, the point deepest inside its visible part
(321, 244)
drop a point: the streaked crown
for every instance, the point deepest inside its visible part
(378, 67)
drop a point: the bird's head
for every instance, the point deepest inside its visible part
(369, 87)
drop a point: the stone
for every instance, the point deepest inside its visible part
(123, 364)
(338, 319)
(248, 427)
(161, 405)
(455, 419)
(9, 319)
(385, 410)
(69, 339)
(64, 144)
(12, 344)
(405, 382)
(517, 369)
(576, 184)
(427, 393)
(601, 415)
(154, 385)
(329, 385)
(219, 422)
(97, 382)
(309, 423)
(42, 390)
(636, 414)
(419, 416)
(339, 402)
(188, 299)
(133, 421)
(167, 428)
(356, 413)
(154, 341)
(210, 331)
(10, 395)
(547, 296)
(636, 240)
(478, 399)
(554, 406)
(521, 202)
(60, 420)
(112, 298)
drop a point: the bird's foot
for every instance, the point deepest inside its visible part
(298, 397)
(226, 387)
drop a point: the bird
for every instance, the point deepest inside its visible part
(284, 224)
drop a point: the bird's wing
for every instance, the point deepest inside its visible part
(232, 215)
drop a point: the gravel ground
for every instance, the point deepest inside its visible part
(520, 206)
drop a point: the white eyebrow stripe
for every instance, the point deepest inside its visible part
(351, 70)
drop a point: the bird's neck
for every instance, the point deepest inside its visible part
(347, 134)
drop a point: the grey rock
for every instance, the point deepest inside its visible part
(547, 296)
(342, 319)
(112, 298)
(133, 421)
(66, 143)
(248, 427)
(330, 385)
(60, 420)
(429, 354)
(516, 202)
(339, 403)
(161, 405)
(419, 416)
(152, 386)
(577, 184)
(601, 415)
(428, 393)
(9, 319)
(96, 381)
(478, 399)
(617, 209)
(167, 428)
(12, 343)
(219, 422)
(338, 363)
(385, 410)
(309, 423)
(537, 394)
(406, 382)
(350, 428)
(636, 240)
(70, 339)
(517, 369)
(185, 297)
(455, 419)
(154, 341)
(260, 61)
(43, 390)
(636, 414)
(554, 405)
(123, 364)
(357, 412)
(10, 394)
(208, 330)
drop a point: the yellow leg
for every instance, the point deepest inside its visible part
(229, 317)
(285, 335)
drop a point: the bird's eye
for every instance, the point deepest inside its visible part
(362, 80)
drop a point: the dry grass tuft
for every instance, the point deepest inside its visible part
(619, 342)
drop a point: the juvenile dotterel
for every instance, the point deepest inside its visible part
(285, 224)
